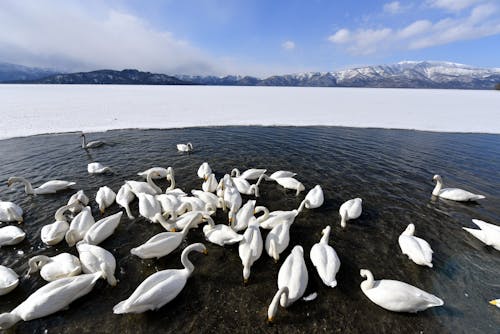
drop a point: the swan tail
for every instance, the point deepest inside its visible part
(8, 320)
(434, 301)
(121, 308)
(479, 234)
(476, 197)
(331, 284)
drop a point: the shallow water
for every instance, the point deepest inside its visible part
(391, 170)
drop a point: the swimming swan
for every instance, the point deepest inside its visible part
(220, 234)
(102, 229)
(350, 210)
(9, 280)
(453, 194)
(397, 296)
(55, 267)
(156, 172)
(291, 183)
(210, 184)
(161, 287)
(249, 174)
(104, 198)
(97, 168)
(292, 282)
(279, 174)
(417, 249)
(325, 259)
(148, 187)
(79, 226)
(90, 144)
(204, 171)
(49, 187)
(185, 147)
(11, 235)
(50, 298)
(314, 199)
(95, 259)
(250, 247)
(487, 233)
(10, 212)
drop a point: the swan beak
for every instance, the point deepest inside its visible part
(245, 281)
(173, 229)
(102, 211)
(494, 302)
(270, 320)
(205, 252)
(230, 220)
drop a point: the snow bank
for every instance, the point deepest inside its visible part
(36, 109)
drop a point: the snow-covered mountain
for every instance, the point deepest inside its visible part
(13, 72)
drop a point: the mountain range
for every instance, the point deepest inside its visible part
(406, 74)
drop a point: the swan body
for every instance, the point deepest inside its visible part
(150, 208)
(123, 199)
(210, 184)
(186, 219)
(209, 198)
(162, 244)
(185, 147)
(417, 249)
(95, 259)
(246, 188)
(102, 229)
(453, 194)
(9, 280)
(79, 226)
(49, 299)
(314, 198)
(105, 197)
(49, 187)
(90, 144)
(275, 218)
(149, 187)
(204, 171)
(156, 173)
(171, 205)
(249, 174)
(278, 239)
(280, 174)
(250, 247)
(220, 234)
(80, 197)
(197, 204)
(487, 233)
(243, 216)
(350, 210)
(56, 267)
(161, 287)
(52, 234)
(325, 259)
(397, 296)
(292, 281)
(11, 235)
(97, 168)
(291, 183)
(10, 212)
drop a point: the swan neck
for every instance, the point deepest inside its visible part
(59, 215)
(235, 172)
(150, 181)
(437, 188)
(273, 307)
(172, 181)
(84, 141)
(264, 216)
(343, 220)
(326, 236)
(36, 263)
(368, 283)
(28, 188)
(301, 207)
(188, 265)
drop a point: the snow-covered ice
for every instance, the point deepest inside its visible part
(36, 109)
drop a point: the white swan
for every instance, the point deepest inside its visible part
(162, 244)
(123, 199)
(11, 235)
(185, 147)
(314, 199)
(209, 198)
(397, 296)
(291, 183)
(243, 216)
(95, 259)
(292, 282)
(210, 184)
(246, 188)
(79, 226)
(9, 280)
(220, 234)
(453, 194)
(10, 212)
(279, 174)
(102, 229)
(104, 198)
(278, 239)
(417, 249)
(204, 171)
(90, 144)
(249, 174)
(97, 168)
(197, 204)
(52, 234)
(156, 172)
(80, 197)
(55, 267)
(186, 219)
(171, 188)
(161, 287)
(325, 259)
(150, 208)
(487, 233)
(350, 210)
(148, 187)
(275, 218)
(250, 247)
(49, 187)
(50, 298)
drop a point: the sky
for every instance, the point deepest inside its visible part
(260, 37)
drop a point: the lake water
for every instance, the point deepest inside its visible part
(391, 170)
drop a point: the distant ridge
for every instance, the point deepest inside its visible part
(405, 74)
(13, 72)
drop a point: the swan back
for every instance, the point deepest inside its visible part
(325, 259)
(293, 275)
(314, 198)
(8, 280)
(95, 259)
(11, 235)
(102, 229)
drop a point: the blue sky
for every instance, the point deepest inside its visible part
(246, 37)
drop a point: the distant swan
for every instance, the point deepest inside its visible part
(55, 267)
(185, 147)
(453, 194)
(10, 212)
(487, 233)
(350, 210)
(417, 249)
(325, 259)
(90, 144)
(97, 168)
(49, 187)
(9, 280)
(161, 287)
(397, 296)
(11, 235)
(50, 298)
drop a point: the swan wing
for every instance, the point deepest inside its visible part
(460, 195)
(159, 245)
(55, 185)
(419, 252)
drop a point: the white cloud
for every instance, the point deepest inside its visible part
(288, 45)
(393, 7)
(67, 35)
(451, 5)
(481, 21)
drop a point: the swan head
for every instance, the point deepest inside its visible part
(437, 178)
